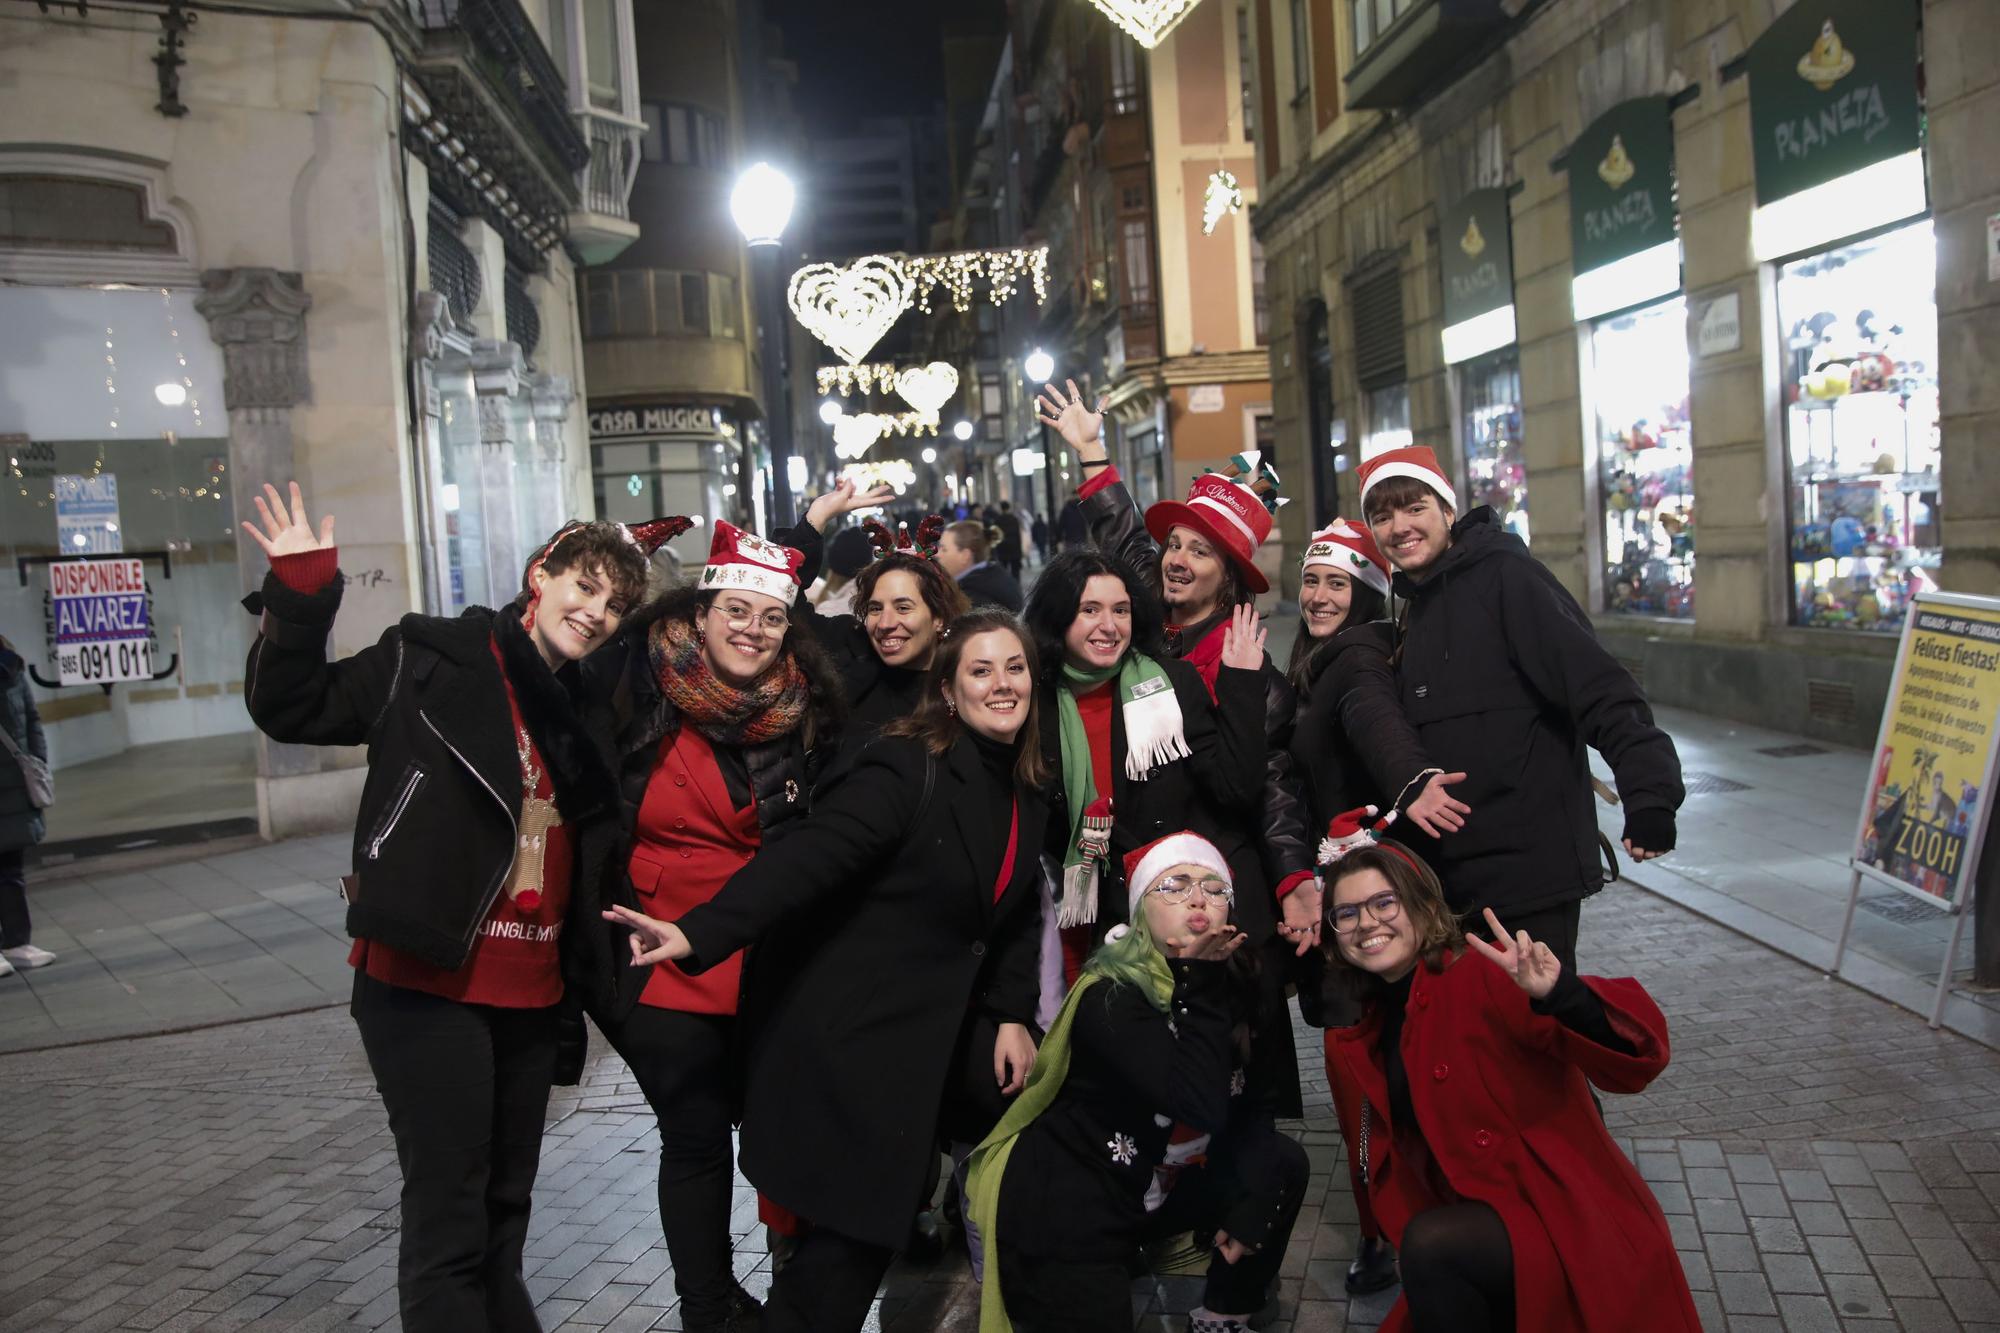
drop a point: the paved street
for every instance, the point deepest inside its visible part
(1826, 1162)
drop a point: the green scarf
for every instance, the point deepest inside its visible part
(1155, 734)
(988, 1163)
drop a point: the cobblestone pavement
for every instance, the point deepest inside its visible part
(1825, 1160)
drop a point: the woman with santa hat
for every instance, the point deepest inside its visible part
(726, 707)
(1133, 1127)
(916, 880)
(487, 821)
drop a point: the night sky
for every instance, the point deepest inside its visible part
(874, 57)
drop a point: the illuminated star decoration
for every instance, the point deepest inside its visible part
(1222, 197)
(1146, 20)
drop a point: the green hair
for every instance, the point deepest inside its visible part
(1127, 960)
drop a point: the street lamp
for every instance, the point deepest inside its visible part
(1040, 368)
(963, 430)
(930, 455)
(761, 204)
(829, 411)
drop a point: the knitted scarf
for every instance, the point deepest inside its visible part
(988, 1163)
(772, 706)
(1155, 734)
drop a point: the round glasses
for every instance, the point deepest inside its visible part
(1180, 888)
(1383, 907)
(740, 617)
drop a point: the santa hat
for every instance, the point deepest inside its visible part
(1231, 509)
(1343, 546)
(924, 547)
(739, 559)
(1351, 830)
(1153, 860)
(1417, 462)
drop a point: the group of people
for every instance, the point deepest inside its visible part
(907, 885)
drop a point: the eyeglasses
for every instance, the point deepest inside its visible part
(1384, 907)
(740, 617)
(1179, 888)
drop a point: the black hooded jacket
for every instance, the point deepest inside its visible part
(1504, 679)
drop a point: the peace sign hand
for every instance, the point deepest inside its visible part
(287, 533)
(1080, 427)
(1243, 641)
(1532, 964)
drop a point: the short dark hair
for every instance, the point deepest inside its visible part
(972, 536)
(597, 546)
(1364, 606)
(937, 726)
(826, 703)
(1397, 493)
(940, 591)
(1058, 592)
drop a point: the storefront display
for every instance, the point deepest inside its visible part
(1639, 384)
(1496, 473)
(1388, 420)
(1861, 428)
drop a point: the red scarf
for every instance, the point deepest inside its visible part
(1206, 656)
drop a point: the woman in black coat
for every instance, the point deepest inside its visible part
(21, 822)
(917, 879)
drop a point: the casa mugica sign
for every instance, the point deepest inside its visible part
(1621, 183)
(1478, 256)
(1833, 89)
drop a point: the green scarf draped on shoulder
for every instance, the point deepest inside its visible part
(988, 1163)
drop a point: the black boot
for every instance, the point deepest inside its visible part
(1373, 1269)
(926, 1243)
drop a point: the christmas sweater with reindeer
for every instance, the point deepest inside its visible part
(516, 960)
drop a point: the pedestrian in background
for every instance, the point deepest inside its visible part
(965, 552)
(487, 823)
(1008, 550)
(847, 554)
(21, 800)
(1039, 531)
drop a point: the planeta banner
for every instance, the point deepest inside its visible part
(1833, 89)
(1478, 256)
(1621, 183)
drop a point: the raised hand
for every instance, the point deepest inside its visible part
(845, 498)
(1081, 428)
(1532, 964)
(1243, 641)
(1436, 811)
(652, 941)
(1210, 947)
(287, 532)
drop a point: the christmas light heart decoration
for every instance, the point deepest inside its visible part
(850, 307)
(1147, 20)
(855, 433)
(928, 388)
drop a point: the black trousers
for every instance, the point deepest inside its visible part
(827, 1286)
(467, 1089)
(683, 1064)
(1554, 926)
(15, 928)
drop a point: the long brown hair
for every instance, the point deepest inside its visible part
(1419, 893)
(938, 727)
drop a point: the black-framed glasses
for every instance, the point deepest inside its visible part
(1383, 907)
(1179, 888)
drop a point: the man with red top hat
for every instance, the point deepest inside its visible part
(1503, 677)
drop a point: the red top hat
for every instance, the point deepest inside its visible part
(1228, 514)
(739, 559)
(1350, 549)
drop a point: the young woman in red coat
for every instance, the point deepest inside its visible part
(1485, 1159)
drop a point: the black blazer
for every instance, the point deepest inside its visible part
(853, 1048)
(1215, 791)
(991, 585)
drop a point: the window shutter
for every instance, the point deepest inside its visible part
(1376, 301)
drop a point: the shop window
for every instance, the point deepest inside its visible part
(1645, 459)
(1388, 420)
(1861, 427)
(1495, 472)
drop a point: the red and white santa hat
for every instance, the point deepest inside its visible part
(1159, 856)
(1350, 549)
(1416, 461)
(739, 559)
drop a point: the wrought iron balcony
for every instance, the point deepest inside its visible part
(603, 226)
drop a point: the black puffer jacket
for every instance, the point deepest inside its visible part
(435, 836)
(1351, 744)
(1505, 680)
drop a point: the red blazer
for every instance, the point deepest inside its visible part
(1508, 1121)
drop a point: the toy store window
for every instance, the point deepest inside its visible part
(1645, 452)
(1861, 428)
(1496, 473)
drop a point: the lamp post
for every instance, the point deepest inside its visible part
(1040, 368)
(761, 204)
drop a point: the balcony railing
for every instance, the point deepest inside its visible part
(509, 54)
(606, 180)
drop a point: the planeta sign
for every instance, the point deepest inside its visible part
(1833, 89)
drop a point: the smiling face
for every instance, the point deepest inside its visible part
(1386, 948)
(1325, 596)
(577, 611)
(1200, 913)
(992, 685)
(901, 628)
(1414, 534)
(1102, 630)
(742, 634)
(1191, 576)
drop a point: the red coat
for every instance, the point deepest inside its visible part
(1508, 1120)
